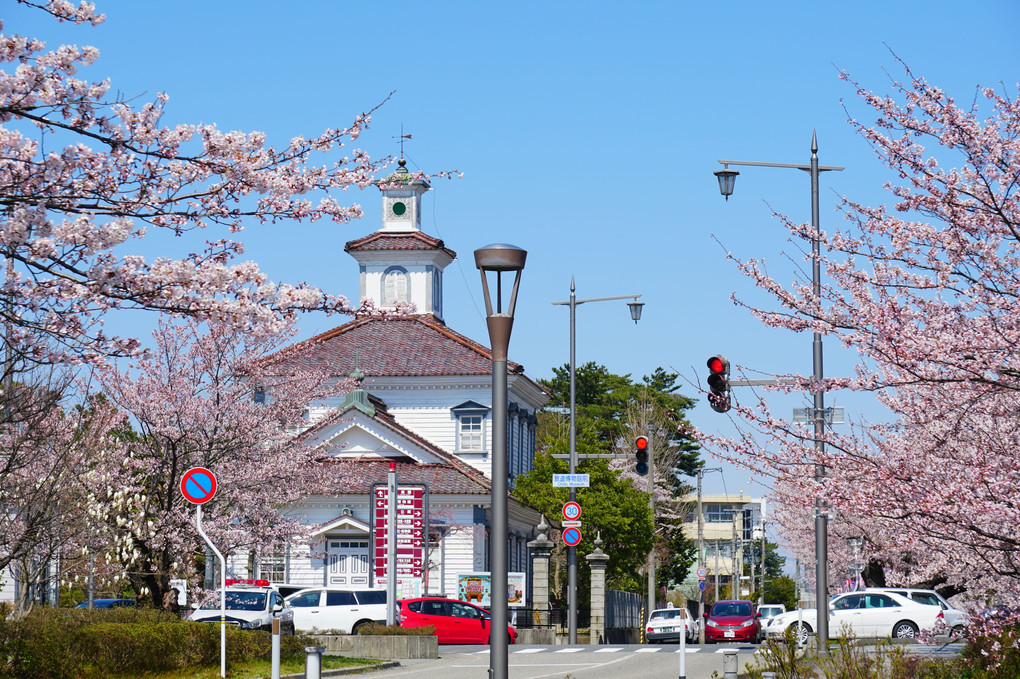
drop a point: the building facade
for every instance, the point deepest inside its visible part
(423, 405)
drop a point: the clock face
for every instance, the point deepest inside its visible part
(399, 208)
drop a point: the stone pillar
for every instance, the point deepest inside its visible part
(541, 549)
(597, 562)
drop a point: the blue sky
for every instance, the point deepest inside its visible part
(587, 134)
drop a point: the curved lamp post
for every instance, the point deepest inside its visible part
(498, 259)
(727, 178)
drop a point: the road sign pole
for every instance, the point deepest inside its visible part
(391, 545)
(223, 591)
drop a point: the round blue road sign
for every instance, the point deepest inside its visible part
(572, 536)
(198, 485)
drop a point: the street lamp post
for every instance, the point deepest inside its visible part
(499, 258)
(635, 315)
(727, 178)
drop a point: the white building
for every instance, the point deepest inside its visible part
(424, 404)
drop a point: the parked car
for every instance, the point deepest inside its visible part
(346, 610)
(863, 614)
(248, 607)
(956, 620)
(109, 603)
(455, 622)
(666, 624)
(732, 621)
(768, 611)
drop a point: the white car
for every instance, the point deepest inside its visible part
(248, 607)
(955, 619)
(665, 624)
(329, 608)
(863, 614)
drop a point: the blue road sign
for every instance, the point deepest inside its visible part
(198, 485)
(572, 536)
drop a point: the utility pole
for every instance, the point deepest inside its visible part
(701, 563)
(735, 578)
(651, 506)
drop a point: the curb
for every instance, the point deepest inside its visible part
(341, 671)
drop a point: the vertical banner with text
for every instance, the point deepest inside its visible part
(411, 534)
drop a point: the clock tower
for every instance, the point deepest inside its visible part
(399, 265)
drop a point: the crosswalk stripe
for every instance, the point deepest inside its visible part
(570, 650)
(647, 650)
(608, 650)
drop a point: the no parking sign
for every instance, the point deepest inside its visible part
(198, 485)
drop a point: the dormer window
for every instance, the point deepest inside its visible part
(470, 417)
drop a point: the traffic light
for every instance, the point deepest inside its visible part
(641, 455)
(719, 383)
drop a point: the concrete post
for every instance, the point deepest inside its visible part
(541, 550)
(313, 662)
(597, 562)
(730, 663)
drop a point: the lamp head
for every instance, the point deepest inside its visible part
(635, 309)
(727, 178)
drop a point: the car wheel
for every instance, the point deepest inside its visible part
(958, 632)
(801, 633)
(358, 627)
(904, 630)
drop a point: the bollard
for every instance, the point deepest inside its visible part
(274, 658)
(313, 662)
(768, 675)
(729, 664)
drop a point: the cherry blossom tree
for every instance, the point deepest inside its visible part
(84, 176)
(926, 291)
(215, 399)
(46, 444)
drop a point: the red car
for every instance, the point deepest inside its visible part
(456, 622)
(732, 621)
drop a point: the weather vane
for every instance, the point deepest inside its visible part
(402, 137)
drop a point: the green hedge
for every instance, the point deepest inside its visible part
(83, 643)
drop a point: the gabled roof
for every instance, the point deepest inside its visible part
(409, 240)
(405, 346)
(449, 476)
(442, 479)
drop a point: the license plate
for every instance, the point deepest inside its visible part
(728, 635)
(667, 629)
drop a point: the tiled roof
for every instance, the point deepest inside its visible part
(442, 479)
(410, 240)
(406, 346)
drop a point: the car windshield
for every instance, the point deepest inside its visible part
(735, 608)
(239, 601)
(667, 614)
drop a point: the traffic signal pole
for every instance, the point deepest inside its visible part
(727, 179)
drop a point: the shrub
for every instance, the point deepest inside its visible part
(376, 628)
(84, 643)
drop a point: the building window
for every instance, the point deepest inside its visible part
(470, 418)
(273, 566)
(718, 513)
(396, 287)
(470, 435)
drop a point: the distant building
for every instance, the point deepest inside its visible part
(730, 523)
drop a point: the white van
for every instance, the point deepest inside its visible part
(332, 608)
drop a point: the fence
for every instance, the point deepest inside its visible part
(624, 610)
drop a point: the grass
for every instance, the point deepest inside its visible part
(254, 669)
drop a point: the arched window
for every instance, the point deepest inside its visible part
(396, 287)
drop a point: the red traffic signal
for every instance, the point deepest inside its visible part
(641, 455)
(719, 383)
